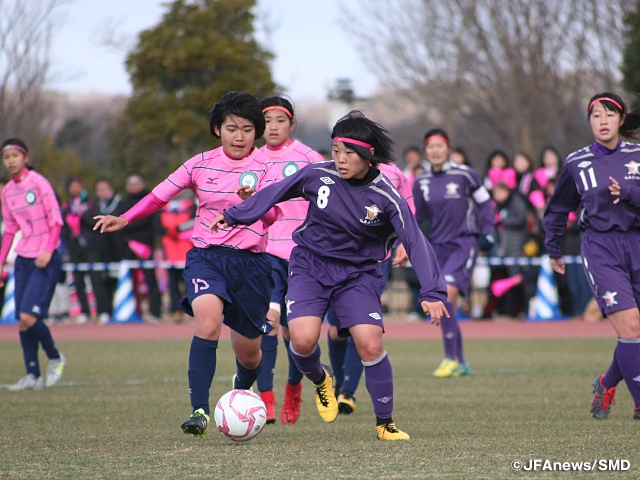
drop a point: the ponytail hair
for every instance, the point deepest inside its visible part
(611, 101)
(356, 126)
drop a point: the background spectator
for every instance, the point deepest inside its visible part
(82, 245)
(139, 240)
(176, 220)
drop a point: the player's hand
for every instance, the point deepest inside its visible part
(558, 265)
(273, 319)
(218, 222)
(244, 192)
(614, 188)
(43, 259)
(401, 258)
(486, 243)
(435, 309)
(109, 223)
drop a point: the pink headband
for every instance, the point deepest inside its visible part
(277, 107)
(441, 137)
(17, 147)
(351, 140)
(599, 99)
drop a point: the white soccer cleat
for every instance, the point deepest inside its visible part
(28, 382)
(54, 370)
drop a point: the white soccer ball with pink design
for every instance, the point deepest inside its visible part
(240, 415)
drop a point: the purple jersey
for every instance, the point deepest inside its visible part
(584, 181)
(354, 223)
(455, 203)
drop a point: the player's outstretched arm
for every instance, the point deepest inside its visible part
(109, 223)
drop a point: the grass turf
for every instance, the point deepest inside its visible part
(118, 410)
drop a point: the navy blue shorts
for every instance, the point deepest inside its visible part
(610, 262)
(353, 290)
(34, 286)
(242, 279)
(280, 274)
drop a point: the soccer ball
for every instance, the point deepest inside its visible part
(240, 415)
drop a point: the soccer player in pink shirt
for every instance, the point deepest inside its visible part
(227, 273)
(286, 156)
(29, 205)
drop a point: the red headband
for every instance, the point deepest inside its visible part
(277, 107)
(17, 147)
(599, 99)
(351, 140)
(436, 135)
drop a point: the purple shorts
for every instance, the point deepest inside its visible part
(456, 260)
(611, 264)
(315, 281)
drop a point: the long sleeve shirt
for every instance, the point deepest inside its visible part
(455, 203)
(584, 182)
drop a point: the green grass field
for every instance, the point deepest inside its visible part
(118, 411)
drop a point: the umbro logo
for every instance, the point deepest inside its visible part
(384, 400)
(636, 379)
(327, 180)
(584, 164)
(375, 315)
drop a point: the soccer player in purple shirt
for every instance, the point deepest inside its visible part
(603, 179)
(460, 213)
(355, 216)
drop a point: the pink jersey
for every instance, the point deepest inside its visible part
(284, 163)
(213, 177)
(31, 207)
(399, 181)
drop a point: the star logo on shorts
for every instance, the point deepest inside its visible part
(289, 303)
(610, 298)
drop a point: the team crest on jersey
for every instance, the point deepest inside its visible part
(584, 164)
(452, 190)
(249, 179)
(634, 170)
(30, 197)
(610, 298)
(327, 180)
(289, 169)
(372, 215)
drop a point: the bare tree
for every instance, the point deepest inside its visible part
(518, 69)
(26, 27)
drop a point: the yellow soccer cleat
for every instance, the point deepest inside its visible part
(389, 431)
(346, 404)
(446, 368)
(325, 398)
